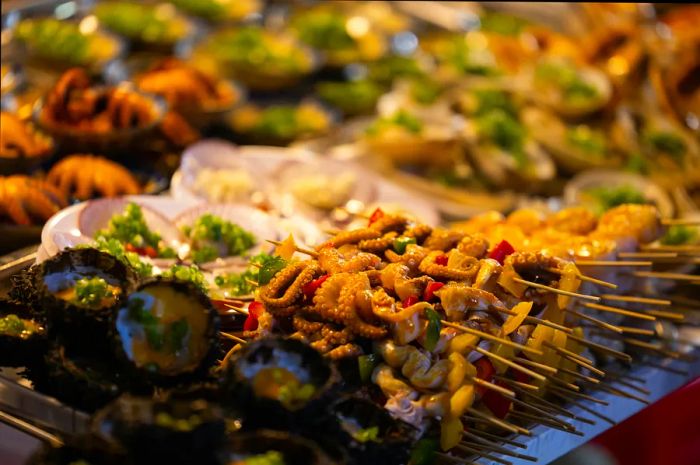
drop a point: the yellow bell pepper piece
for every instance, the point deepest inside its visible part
(463, 343)
(462, 400)
(568, 282)
(513, 322)
(458, 371)
(287, 248)
(504, 351)
(451, 430)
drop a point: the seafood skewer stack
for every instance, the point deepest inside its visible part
(475, 323)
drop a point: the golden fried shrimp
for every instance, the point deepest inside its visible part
(86, 176)
(377, 246)
(282, 293)
(465, 270)
(475, 246)
(641, 222)
(573, 220)
(415, 365)
(332, 261)
(26, 201)
(351, 237)
(443, 239)
(458, 299)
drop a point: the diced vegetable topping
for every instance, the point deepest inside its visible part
(212, 237)
(93, 292)
(130, 228)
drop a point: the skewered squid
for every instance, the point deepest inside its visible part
(282, 294)
(459, 267)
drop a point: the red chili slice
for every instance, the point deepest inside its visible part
(501, 251)
(410, 300)
(376, 214)
(441, 260)
(255, 309)
(485, 371)
(430, 290)
(310, 288)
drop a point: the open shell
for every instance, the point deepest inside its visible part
(259, 223)
(96, 215)
(295, 450)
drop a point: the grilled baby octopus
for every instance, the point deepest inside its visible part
(459, 267)
(283, 293)
(86, 176)
(344, 298)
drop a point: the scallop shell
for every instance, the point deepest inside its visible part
(251, 219)
(97, 213)
(363, 187)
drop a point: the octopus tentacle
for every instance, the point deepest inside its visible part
(333, 262)
(429, 266)
(345, 351)
(288, 283)
(351, 237)
(474, 246)
(388, 223)
(378, 245)
(419, 232)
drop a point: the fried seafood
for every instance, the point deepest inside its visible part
(186, 88)
(72, 104)
(19, 139)
(26, 201)
(87, 176)
(447, 310)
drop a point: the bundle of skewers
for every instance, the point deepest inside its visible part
(486, 326)
(392, 343)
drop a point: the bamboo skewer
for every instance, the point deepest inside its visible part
(638, 331)
(541, 366)
(589, 279)
(483, 454)
(493, 387)
(568, 353)
(667, 275)
(612, 263)
(544, 413)
(535, 320)
(621, 393)
(309, 252)
(499, 448)
(666, 315)
(495, 437)
(578, 375)
(602, 348)
(578, 361)
(641, 390)
(544, 403)
(502, 423)
(520, 384)
(631, 298)
(650, 255)
(510, 363)
(583, 406)
(619, 311)
(555, 290)
(491, 337)
(579, 395)
(595, 321)
(552, 424)
(233, 338)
